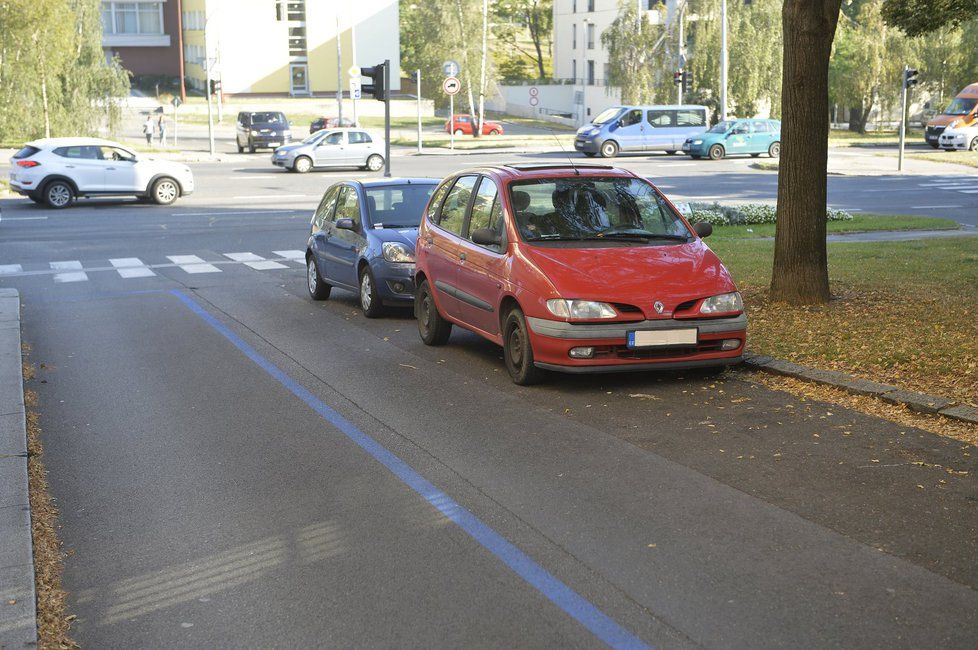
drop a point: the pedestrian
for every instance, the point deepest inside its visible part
(148, 129)
(162, 127)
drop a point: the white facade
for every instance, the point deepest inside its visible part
(579, 58)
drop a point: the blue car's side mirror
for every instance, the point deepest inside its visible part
(345, 224)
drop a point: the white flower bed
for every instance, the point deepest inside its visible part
(748, 214)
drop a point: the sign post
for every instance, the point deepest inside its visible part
(451, 86)
(176, 104)
(355, 92)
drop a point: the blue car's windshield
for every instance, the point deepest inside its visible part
(721, 127)
(398, 206)
(607, 115)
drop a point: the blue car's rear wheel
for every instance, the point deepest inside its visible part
(318, 290)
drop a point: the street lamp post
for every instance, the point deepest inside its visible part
(723, 60)
(583, 104)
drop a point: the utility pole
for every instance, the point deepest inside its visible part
(907, 79)
(482, 72)
(681, 57)
(387, 118)
(353, 55)
(723, 60)
(418, 89)
(339, 72)
(207, 89)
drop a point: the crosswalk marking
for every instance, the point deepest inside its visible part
(72, 271)
(131, 267)
(292, 256)
(192, 264)
(256, 262)
(6, 269)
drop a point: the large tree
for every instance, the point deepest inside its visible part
(918, 17)
(800, 274)
(515, 21)
(54, 79)
(631, 41)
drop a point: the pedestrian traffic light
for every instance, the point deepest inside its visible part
(377, 88)
(215, 86)
(909, 77)
(677, 77)
(687, 81)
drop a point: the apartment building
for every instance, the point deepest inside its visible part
(287, 47)
(144, 34)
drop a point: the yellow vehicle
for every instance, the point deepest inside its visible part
(963, 111)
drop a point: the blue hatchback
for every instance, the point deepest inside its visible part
(362, 238)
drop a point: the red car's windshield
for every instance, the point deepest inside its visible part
(594, 208)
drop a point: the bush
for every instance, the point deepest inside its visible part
(748, 214)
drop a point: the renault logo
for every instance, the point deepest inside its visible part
(658, 306)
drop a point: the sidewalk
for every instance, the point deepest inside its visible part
(18, 616)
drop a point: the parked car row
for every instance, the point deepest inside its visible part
(570, 268)
(626, 129)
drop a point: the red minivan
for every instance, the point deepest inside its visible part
(573, 268)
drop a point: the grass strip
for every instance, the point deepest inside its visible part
(861, 222)
(53, 623)
(902, 313)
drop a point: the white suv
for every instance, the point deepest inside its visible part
(55, 171)
(960, 138)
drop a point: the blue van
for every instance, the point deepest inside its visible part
(640, 128)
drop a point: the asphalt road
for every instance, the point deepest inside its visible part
(237, 466)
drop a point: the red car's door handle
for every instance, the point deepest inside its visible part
(461, 256)
(429, 239)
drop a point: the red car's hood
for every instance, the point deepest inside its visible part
(634, 275)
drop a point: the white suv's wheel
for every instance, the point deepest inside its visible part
(58, 195)
(974, 145)
(164, 191)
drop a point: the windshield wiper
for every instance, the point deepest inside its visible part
(639, 235)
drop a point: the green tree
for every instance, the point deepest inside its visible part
(918, 17)
(754, 45)
(54, 79)
(524, 27)
(631, 43)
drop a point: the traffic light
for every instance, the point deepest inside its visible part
(215, 86)
(687, 81)
(376, 88)
(677, 77)
(909, 77)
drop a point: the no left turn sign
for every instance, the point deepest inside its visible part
(451, 85)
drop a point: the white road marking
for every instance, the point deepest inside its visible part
(292, 256)
(74, 271)
(131, 267)
(968, 191)
(6, 269)
(257, 197)
(192, 264)
(255, 261)
(24, 218)
(224, 214)
(251, 177)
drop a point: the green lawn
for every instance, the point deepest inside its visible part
(492, 141)
(846, 138)
(969, 158)
(860, 223)
(902, 312)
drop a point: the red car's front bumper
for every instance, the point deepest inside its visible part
(553, 340)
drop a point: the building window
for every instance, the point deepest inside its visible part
(573, 6)
(590, 73)
(607, 73)
(590, 36)
(296, 11)
(132, 17)
(297, 41)
(590, 5)
(574, 70)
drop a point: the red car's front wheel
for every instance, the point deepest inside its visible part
(518, 350)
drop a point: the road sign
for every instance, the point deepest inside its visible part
(450, 68)
(451, 86)
(355, 89)
(534, 92)
(354, 72)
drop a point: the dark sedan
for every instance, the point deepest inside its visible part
(362, 239)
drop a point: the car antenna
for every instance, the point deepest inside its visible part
(564, 151)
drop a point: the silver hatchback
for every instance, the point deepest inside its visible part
(332, 148)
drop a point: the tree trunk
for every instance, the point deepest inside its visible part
(534, 23)
(800, 275)
(482, 69)
(465, 63)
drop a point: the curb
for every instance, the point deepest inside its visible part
(18, 614)
(917, 402)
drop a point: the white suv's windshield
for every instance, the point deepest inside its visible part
(961, 106)
(607, 115)
(580, 208)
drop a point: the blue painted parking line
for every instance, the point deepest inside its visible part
(572, 603)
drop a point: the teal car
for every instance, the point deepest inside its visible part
(731, 137)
